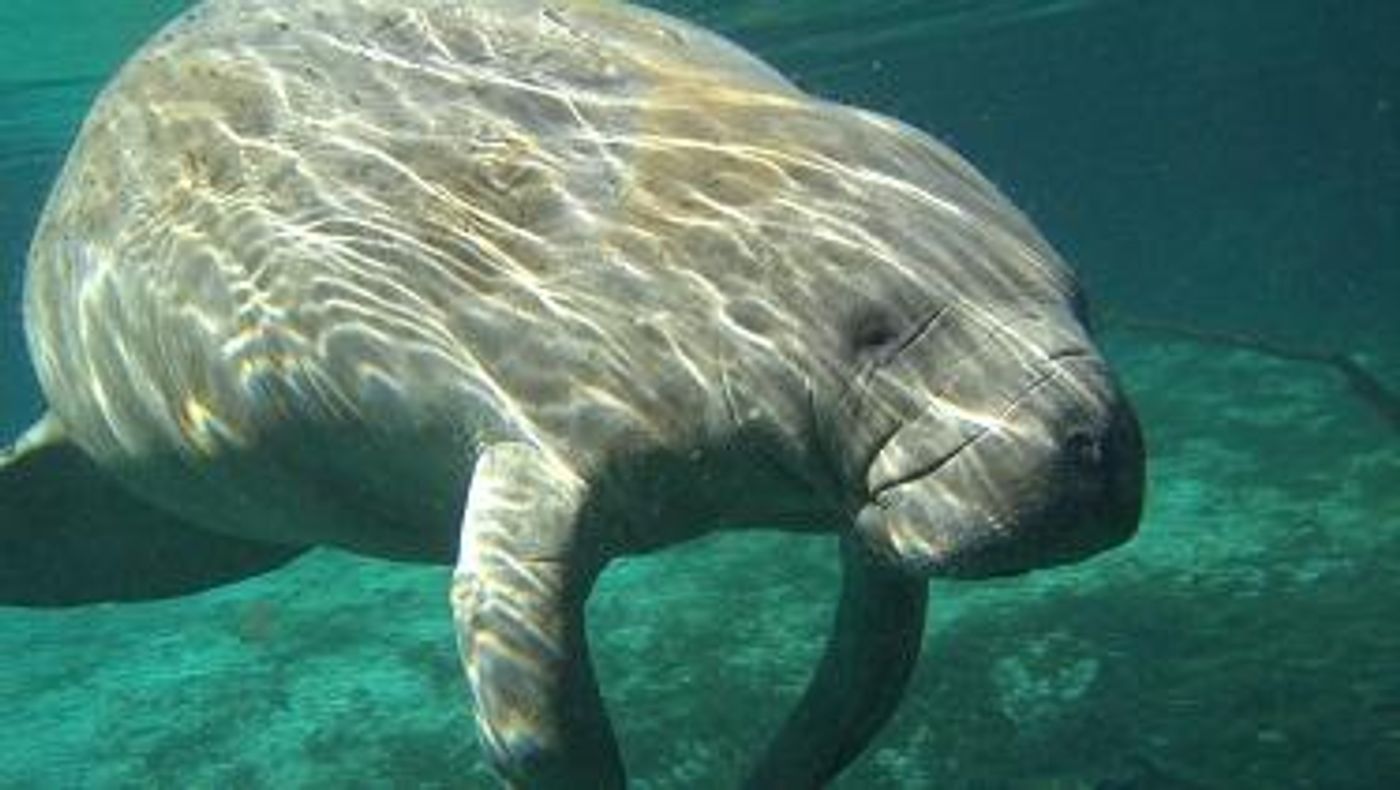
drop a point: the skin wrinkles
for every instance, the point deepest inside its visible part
(988, 426)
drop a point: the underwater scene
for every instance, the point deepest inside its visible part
(1223, 176)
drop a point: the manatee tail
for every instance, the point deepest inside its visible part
(70, 535)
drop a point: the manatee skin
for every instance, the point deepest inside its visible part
(335, 272)
(304, 248)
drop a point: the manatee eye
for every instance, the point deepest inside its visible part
(874, 335)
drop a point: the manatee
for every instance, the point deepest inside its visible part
(524, 286)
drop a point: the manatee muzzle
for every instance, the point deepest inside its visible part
(1052, 476)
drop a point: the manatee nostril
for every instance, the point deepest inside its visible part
(1123, 462)
(1083, 448)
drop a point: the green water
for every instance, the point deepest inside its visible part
(1215, 165)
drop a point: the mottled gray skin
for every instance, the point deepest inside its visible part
(534, 285)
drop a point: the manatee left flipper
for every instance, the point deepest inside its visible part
(872, 650)
(518, 593)
(70, 535)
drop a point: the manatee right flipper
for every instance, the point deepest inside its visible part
(70, 535)
(870, 655)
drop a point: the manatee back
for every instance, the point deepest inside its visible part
(301, 249)
(335, 209)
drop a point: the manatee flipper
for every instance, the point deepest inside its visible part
(71, 535)
(873, 648)
(518, 596)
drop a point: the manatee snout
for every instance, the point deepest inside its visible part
(1050, 477)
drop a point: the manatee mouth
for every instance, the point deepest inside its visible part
(1052, 477)
(926, 468)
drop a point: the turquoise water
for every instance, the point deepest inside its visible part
(1212, 166)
